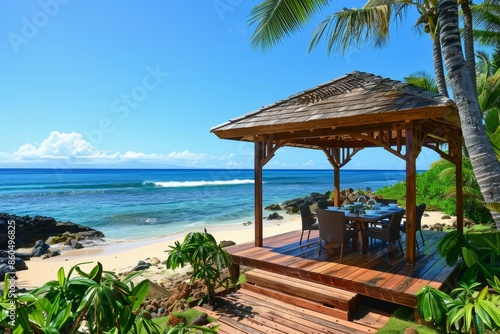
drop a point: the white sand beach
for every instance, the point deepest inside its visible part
(122, 257)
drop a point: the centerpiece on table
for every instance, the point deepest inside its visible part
(371, 207)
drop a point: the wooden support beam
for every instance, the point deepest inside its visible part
(258, 158)
(411, 198)
(336, 186)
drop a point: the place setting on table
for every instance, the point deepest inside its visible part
(366, 214)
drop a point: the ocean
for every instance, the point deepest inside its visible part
(142, 203)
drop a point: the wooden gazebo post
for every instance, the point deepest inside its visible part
(412, 150)
(259, 154)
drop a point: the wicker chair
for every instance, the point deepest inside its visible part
(308, 221)
(333, 228)
(389, 233)
(323, 205)
(418, 223)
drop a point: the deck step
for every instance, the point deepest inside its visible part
(303, 293)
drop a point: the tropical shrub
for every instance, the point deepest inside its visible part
(463, 309)
(207, 258)
(97, 300)
(480, 260)
(472, 305)
(436, 188)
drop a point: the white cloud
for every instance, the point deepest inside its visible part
(58, 145)
(72, 147)
(186, 155)
(227, 157)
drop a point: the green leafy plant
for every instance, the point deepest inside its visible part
(479, 260)
(97, 300)
(206, 257)
(464, 310)
(185, 329)
(432, 304)
(13, 314)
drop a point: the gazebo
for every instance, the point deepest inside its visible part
(350, 113)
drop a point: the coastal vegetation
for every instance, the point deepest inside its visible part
(206, 257)
(436, 188)
(97, 301)
(474, 304)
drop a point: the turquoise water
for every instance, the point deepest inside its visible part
(140, 203)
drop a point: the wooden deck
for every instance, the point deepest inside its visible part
(378, 273)
(248, 312)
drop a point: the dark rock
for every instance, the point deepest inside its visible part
(45, 256)
(445, 217)
(201, 320)
(226, 243)
(273, 207)
(274, 216)
(56, 252)
(437, 227)
(19, 263)
(141, 265)
(4, 269)
(247, 223)
(31, 229)
(24, 256)
(40, 248)
(292, 206)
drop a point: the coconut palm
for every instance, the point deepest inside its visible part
(277, 19)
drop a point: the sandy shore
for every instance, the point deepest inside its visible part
(123, 256)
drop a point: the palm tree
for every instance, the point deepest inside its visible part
(277, 19)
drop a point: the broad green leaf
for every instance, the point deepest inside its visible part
(49, 330)
(23, 319)
(470, 257)
(479, 325)
(61, 277)
(37, 317)
(5, 286)
(492, 310)
(470, 275)
(61, 317)
(141, 292)
(43, 304)
(482, 314)
(96, 273)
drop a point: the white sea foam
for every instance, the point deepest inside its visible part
(177, 184)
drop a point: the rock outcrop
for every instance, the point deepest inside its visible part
(28, 230)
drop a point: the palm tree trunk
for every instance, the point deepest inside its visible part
(438, 66)
(482, 157)
(469, 42)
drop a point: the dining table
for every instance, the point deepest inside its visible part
(362, 221)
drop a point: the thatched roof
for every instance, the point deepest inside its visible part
(341, 112)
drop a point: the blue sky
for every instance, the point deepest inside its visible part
(141, 83)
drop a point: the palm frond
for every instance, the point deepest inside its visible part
(486, 20)
(278, 19)
(353, 28)
(423, 80)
